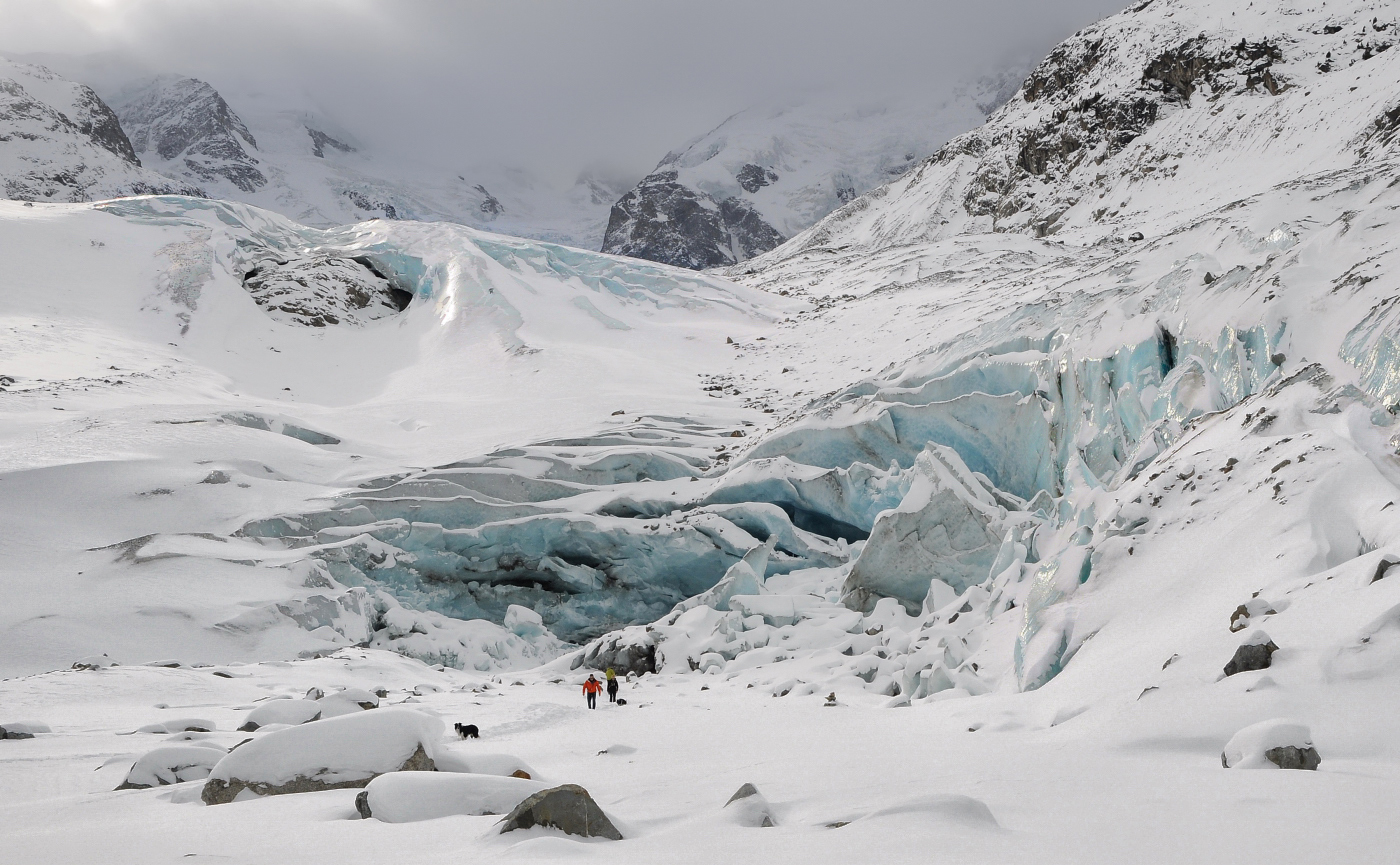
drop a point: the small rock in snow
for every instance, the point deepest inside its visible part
(1256, 653)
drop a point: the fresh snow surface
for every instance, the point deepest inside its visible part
(408, 797)
(1125, 457)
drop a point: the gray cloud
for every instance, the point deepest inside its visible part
(550, 85)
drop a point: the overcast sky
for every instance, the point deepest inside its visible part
(554, 86)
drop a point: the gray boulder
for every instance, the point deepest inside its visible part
(567, 808)
(1294, 757)
(1256, 653)
(332, 754)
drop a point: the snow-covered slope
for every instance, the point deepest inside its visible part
(1146, 120)
(60, 142)
(768, 172)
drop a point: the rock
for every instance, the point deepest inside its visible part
(632, 650)
(173, 764)
(665, 220)
(22, 730)
(1277, 742)
(180, 725)
(449, 759)
(94, 662)
(281, 712)
(336, 753)
(750, 808)
(323, 290)
(1254, 608)
(567, 808)
(408, 797)
(1255, 654)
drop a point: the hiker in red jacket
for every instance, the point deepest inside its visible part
(590, 690)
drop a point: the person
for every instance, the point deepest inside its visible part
(591, 689)
(612, 685)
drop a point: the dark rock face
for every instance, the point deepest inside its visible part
(14, 734)
(364, 202)
(663, 220)
(749, 233)
(99, 123)
(490, 205)
(1251, 657)
(752, 177)
(219, 792)
(362, 805)
(1179, 71)
(567, 808)
(320, 141)
(187, 120)
(622, 655)
(324, 291)
(1292, 757)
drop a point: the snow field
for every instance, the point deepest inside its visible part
(896, 777)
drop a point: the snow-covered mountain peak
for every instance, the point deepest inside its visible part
(61, 142)
(183, 127)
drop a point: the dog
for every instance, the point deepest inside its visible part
(621, 702)
(466, 731)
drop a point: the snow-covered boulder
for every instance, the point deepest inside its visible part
(281, 712)
(450, 760)
(180, 725)
(1255, 653)
(1276, 743)
(346, 702)
(335, 753)
(946, 528)
(630, 650)
(567, 808)
(407, 797)
(22, 729)
(172, 764)
(94, 662)
(747, 807)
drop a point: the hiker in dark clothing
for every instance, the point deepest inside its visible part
(612, 685)
(590, 690)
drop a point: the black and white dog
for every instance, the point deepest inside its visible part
(466, 731)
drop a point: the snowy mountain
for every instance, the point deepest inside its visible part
(306, 166)
(1143, 121)
(1039, 505)
(60, 142)
(183, 127)
(767, 173)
